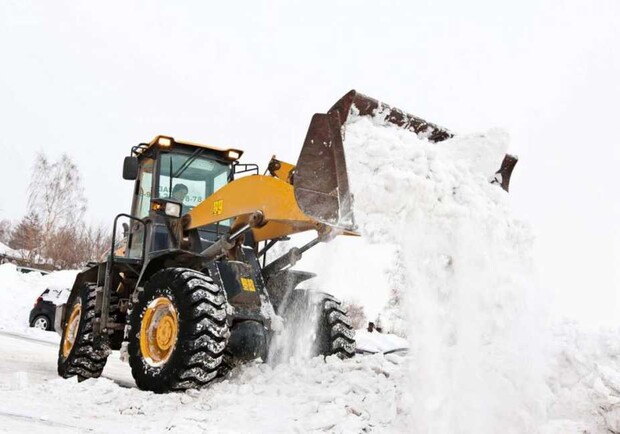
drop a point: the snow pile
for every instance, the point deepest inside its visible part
(585, 381)
(7, 251)
(357, 395)
(380, 342)
(19, 291)
(461, 262)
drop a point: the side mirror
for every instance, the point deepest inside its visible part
(130, 168)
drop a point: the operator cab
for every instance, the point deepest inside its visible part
(177, 175)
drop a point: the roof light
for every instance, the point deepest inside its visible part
(233, 155)
(164, 142)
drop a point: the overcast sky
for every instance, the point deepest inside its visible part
(93, 79)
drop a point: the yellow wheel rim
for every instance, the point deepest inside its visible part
(71, 329)
(158, 331)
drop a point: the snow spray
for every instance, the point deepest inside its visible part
(461, 267)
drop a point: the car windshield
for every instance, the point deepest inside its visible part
(190, 178)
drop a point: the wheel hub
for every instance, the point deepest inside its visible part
(158, 331)
(41, 323)
(165, 332)
(71, 329)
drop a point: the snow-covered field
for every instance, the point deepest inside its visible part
(484, 356)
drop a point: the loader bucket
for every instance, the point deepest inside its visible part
(363, 105)
(366, 106)
(321, 181)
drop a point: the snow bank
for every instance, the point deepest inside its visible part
(7, 251)
(19, 291)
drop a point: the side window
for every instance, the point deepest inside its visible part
(143, 195)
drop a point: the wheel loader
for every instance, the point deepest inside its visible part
(188, 292)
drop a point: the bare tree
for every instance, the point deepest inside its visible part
(63, 248)
(55, 194)
(356, 313)
(27, 238)
(5, 231)
(396, 313)
(71, 247)
(54, 229)
(96, 241)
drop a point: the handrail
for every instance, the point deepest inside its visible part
(130, 217)
(105, 303)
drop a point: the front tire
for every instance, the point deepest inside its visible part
(177, 331)
(77, 354)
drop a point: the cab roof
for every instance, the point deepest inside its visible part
(168, 142)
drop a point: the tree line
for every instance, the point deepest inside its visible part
(53, 232)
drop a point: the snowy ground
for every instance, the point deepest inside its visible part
(367, 393)
(332, 395)
(483, 354)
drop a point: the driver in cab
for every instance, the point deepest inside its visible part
(179, 191)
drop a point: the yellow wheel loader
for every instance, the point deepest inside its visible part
(190, 292)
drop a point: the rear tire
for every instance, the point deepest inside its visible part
(177, 331)
(316, 321)
(77, 354)
(335, 335)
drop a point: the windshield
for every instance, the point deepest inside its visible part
(190, 178)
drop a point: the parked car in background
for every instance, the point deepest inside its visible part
(43, 313)
(31, 270)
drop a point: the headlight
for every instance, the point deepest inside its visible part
(233, 154)
(165, 207)
(173, 209)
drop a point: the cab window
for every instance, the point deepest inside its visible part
(190, 178)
